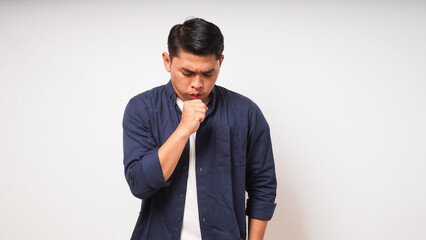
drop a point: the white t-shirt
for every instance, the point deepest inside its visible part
(191, 222)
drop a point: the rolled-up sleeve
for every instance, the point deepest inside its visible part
(261, 180)
(141, 164)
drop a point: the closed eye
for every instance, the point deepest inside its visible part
(209, 73)
(186, 72)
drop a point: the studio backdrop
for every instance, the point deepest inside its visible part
(341, 83)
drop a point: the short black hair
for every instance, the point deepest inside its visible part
(196, 36)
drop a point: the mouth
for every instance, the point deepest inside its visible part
(195, 96)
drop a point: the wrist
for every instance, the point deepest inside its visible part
(182, 132)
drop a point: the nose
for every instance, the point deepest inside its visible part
(196, 82)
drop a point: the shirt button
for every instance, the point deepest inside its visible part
(179, 218)
(201, 169)
(184, 168)
(181, 195)
(204, 219)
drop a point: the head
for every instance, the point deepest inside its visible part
(194, 58)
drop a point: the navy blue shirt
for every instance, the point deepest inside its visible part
(233, 155)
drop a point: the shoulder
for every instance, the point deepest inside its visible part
(144, 103)
(148, 97)
(148, 100)
(236, 100)
(239, 105)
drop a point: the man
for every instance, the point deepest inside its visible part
(192, 148)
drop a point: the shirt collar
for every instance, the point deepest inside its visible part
(171, 91)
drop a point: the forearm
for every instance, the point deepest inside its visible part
(256, 229)
(169, 153)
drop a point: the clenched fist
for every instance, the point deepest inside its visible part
(193, 113)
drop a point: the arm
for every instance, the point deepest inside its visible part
(193, 114)
(260, 174)
(256, 228)
(148, 167)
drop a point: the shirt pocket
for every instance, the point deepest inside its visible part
(231, 146)
(238, 146)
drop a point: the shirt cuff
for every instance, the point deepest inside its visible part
(152, 170)
(260, 209)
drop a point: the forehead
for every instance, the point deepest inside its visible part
(195, 62)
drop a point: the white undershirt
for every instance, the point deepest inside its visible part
(191, 223)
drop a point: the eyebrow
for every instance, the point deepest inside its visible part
(206, 72)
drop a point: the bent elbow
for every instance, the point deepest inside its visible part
(138, 187)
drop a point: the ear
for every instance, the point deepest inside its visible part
(221, 60)
(167, 61)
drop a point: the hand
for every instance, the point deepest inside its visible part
(193, 113)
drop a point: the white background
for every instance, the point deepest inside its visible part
(342, 84)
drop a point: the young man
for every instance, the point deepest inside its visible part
(192, 148)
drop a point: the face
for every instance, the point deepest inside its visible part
(192, 76)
